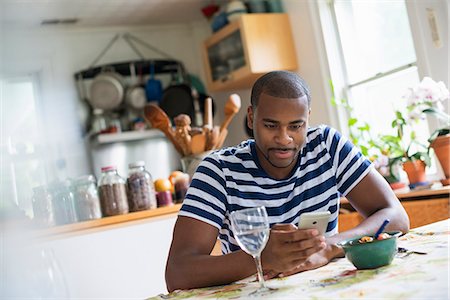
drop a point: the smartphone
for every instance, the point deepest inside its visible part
(317, 220)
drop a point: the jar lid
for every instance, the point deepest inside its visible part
(136, 164)
(84, 178)
(109, 168)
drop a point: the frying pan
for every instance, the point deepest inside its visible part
(179, 98)
(106, 91)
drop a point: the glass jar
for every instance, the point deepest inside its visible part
(87, 202)
(63, 203)
(43, 213)
(99, 122)
(112, 191)
(182, 182)
(141, 190)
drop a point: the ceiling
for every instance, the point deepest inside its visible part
(92, 13)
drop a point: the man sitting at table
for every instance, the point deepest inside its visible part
(290, 169)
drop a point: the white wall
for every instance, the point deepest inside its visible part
(433, 59)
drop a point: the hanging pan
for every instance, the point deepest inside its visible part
(180, 98)
(135, 97)
(106, 91)
(153, 88)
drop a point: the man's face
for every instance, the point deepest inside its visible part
(279, 127)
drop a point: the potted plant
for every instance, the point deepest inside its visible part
(406, 150)
(431, 98)
(374, 149)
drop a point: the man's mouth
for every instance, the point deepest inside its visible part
(282, 153)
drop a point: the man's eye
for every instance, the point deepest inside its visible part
(270, 126)
(296, 126)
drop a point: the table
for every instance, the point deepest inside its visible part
(410, 276)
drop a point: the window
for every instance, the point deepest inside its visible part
(374, 42)
(22, 166)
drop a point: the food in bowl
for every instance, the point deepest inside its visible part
(371, 253)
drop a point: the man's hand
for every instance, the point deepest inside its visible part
(316, 260)
(289, 247)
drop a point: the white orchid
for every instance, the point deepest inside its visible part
(427, 97)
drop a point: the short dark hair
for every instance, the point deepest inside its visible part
(282, 84)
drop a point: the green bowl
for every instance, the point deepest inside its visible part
(371, 255)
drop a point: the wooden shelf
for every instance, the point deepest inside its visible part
(126, 136)
(108, 222)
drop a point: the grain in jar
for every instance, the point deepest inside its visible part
(112, 192)
(141, 190)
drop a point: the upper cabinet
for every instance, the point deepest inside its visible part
(239, 53)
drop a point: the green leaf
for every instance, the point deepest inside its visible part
(351, 122)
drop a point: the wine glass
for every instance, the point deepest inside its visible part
(251, 231)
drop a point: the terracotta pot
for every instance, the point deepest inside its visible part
(441, 147)
(415, 171)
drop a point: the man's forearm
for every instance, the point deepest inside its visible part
(192, 271)
(398, 221)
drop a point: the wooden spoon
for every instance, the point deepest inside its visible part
(158, 119)
(208, 117)
(221, 138)
(231, 108)
(212, 138)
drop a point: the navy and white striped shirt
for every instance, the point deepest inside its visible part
(231, 179)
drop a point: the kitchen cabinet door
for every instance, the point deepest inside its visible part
(239, 53)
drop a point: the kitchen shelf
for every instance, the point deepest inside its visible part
(126, 136)
(123, 68)
(108, 222)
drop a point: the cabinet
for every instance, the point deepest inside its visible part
(239, 53)
(423, 207)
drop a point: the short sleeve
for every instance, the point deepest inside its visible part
(349, 164)
(206, 198)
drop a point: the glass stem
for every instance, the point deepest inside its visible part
(259, 269)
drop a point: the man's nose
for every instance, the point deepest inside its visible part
(283, 137)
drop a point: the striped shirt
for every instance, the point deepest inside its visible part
(231, 179)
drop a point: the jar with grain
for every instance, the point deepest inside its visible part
(87, 202)
(141, 190)
(112, 192)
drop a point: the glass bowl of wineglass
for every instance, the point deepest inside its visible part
(251, 230)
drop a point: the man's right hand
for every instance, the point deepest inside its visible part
(288, 247)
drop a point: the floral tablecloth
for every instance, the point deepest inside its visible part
(410, 276)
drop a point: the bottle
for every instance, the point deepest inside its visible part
(112, 192)
(141, 190)
(87, 202)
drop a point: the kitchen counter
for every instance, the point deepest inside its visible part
(422, 206)
(109, 222)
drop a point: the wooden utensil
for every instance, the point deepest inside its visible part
(231, 108)
(212, 138)
(198, 143)
(222, 135)
(208, 117)
(158, 119)
(182, 136)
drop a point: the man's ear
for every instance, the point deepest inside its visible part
(250, 117)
